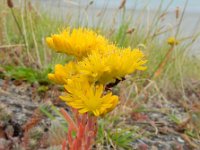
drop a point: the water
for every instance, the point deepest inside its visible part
(193, 5)
(106, 13)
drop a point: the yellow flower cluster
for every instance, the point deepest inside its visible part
(111, 66)
(78, 42)
(97, 63)
(62, 73)
(88, 98)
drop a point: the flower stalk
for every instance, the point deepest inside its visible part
(172, 41)
(88, 79)
(85, 129)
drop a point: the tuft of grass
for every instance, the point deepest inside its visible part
(27, 26)
(174, 119)
(122, 139)
(27, 74)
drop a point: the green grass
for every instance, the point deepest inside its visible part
(117, 138)
(27, 74)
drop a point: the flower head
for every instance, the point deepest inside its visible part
(78, 42)
(107, 67)
(88, 98)
(62, 73)
(97, 64)
(172, 41)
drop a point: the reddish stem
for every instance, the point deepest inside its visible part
(69, 119)
(85, 128)
(64, 145)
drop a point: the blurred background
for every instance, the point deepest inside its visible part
(159, 108)
(106, 13)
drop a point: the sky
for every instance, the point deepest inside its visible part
(193, 5)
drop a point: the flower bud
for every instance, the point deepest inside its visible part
(10, 3)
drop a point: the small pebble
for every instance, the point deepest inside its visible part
(180, 140)
(154, 148)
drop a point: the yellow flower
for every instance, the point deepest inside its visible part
(78, 42)
(94, 67)
(107, 67)
(62, 73)
(88, 98)
(172, 41)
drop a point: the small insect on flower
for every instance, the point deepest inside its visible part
(172, 41)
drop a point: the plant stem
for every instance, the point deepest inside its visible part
(163, 62)
(69, 119)
(18, 26)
